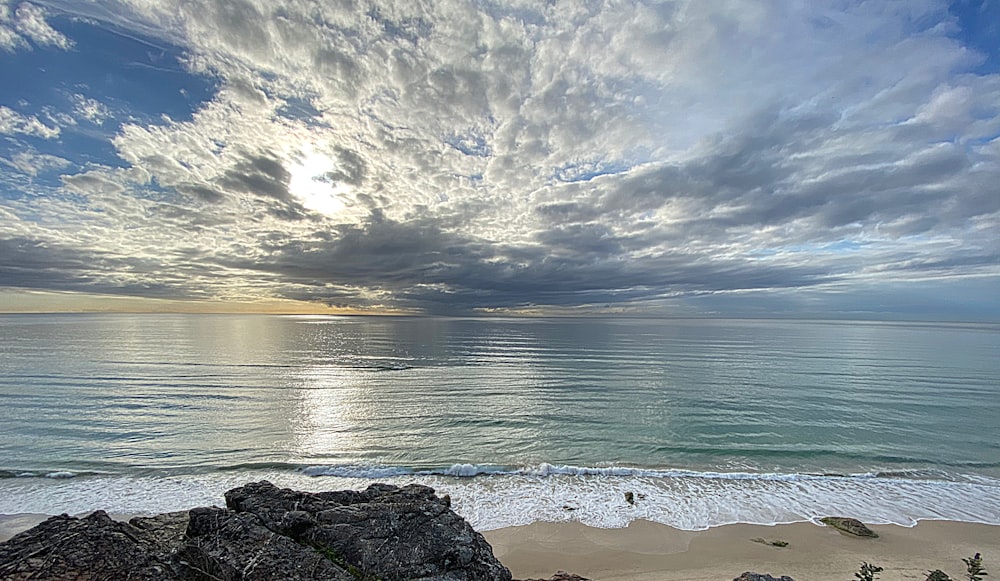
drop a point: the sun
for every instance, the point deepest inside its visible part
(310, 182)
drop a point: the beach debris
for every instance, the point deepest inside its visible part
(383, 532)
(630, 498)
(974, 570)
(568, 507)
(868, 572)
(773, 543)
(561, 576)
(937, 575)
(851, 526)
(750, 576)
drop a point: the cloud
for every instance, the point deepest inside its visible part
(31, 162)
(13, 123)
(27, 22)
(90, 109)
(455, 156)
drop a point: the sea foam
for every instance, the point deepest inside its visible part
(492, 497)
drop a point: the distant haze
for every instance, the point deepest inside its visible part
(795, 159)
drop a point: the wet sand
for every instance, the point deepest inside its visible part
(11, 524)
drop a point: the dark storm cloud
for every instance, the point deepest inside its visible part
(34, 264)
(264, 176)
(30, 263)
(751, 179)
(202, 193)
(260, 175)
(426, 268)
(352, 168)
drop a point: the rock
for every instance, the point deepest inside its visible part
(773, 543)
(629, 498)
(937, 575)
(94, 547)
(227, 546)
(562, 576)
(851, 526)
(749, 576)
(385, 531)
(163, 532)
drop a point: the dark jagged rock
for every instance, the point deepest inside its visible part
(384, 531)
(562, 576)
(95, 547)
(749, 576)
(851, 526)
(937, 575)
(163, 532)
(227, 546)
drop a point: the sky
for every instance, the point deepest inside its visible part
(802, 158)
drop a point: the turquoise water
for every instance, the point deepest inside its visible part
(712, 421)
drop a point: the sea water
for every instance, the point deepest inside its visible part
(704, 421)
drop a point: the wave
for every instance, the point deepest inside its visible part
(51, 474)
(544, 470)
(541, 471)
(491, 496)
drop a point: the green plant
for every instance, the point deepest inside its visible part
(974, 568)
(868, 572)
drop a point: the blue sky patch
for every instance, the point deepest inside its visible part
(586, 171)
(979, 21)
(133, 79)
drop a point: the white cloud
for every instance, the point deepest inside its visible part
(9, 39)
(29, 21)
(90, 109)
(31, 162)
(12, 123)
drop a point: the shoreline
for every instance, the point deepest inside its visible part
(648, 551)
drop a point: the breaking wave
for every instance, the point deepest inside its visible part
(491, 496)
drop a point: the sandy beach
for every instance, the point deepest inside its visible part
(646, 551)
(11, 524)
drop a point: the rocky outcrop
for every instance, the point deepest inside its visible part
(851, 526)
(222, 544)
(384, 532)
(748, 576)
(95, 547)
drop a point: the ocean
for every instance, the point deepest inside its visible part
(706, 422)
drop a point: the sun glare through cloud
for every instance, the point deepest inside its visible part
(311, 182)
